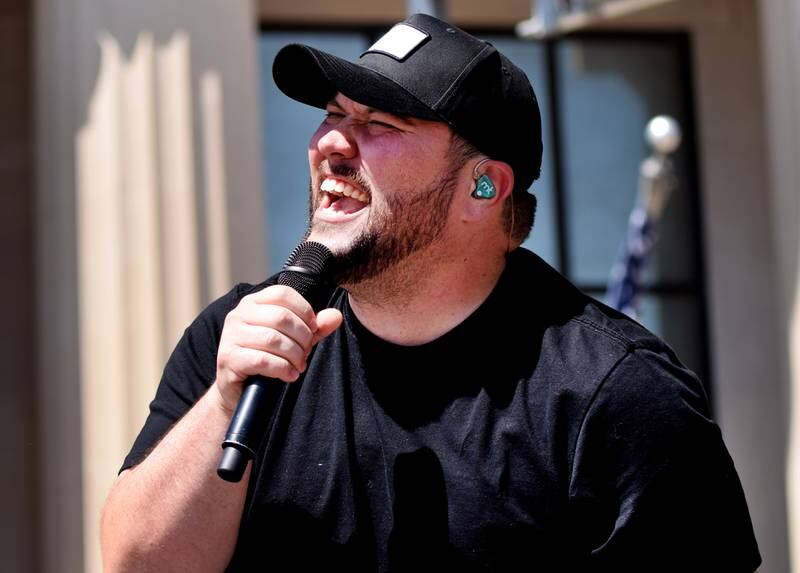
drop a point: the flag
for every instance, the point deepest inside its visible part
(657, 181)
(625, 284)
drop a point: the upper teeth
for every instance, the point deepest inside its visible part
(341, 188)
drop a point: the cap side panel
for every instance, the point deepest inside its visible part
(465, 72)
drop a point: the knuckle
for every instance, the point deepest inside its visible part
(224, 353)
(234, 317)
(283, 318)
(277, 293)
(282, 290)
(229, 318)
(247, 299)
(228, 371)
(272, 339)
(259, 360)
(285, 368)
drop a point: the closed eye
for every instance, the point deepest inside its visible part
(383, 124)
(379, 120)
(333, 116)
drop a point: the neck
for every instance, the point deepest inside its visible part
(426, 295)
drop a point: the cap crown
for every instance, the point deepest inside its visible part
(427, 68)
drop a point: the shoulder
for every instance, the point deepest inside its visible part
(576, 335)
(563, 307)
(599, 369)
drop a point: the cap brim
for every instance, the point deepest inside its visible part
(314, 77)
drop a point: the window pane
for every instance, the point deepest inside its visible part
(529, 56)
(610, 89)
(287, 128)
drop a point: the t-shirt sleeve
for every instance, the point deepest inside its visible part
(188, 373)
(653, 487)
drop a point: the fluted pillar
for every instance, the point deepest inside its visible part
(141, 108)
(780, 33)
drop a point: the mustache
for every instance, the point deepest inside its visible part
(346, 172)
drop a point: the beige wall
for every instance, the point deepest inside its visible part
(17, 353)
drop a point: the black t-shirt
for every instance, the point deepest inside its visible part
(544, 433)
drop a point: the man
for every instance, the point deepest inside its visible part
(459, 406)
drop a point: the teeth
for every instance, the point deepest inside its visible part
(330, 185)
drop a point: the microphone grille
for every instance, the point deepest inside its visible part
(309, 271)
(315, 258)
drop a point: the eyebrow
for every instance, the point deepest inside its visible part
(366, 107)
(372, 111)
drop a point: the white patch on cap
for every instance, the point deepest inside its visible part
(399, 42)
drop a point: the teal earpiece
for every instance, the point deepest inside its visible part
(484, 188)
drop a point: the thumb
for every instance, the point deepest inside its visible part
(328, 320)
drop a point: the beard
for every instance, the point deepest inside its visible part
(403, 224)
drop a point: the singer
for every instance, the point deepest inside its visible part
(457, 405)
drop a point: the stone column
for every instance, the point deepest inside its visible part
(780, 33)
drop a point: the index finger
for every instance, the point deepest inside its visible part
(288, 298)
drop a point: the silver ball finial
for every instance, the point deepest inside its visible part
(663, 134)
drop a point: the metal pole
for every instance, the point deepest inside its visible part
(437, 8)
(657, 177)
(656, 182)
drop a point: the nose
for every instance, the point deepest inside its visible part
(337, 142)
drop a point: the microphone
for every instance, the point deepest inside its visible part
(308, 270)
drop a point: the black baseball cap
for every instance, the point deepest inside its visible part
(427, 68)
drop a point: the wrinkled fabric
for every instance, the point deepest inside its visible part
(546, 432)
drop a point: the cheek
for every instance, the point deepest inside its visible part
(391, 165)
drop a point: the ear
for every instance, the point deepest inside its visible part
(502, 178)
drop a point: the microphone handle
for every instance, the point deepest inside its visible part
(307, 271)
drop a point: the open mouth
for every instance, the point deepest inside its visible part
(341, 197)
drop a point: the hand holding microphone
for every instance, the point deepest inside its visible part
(266, 340)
